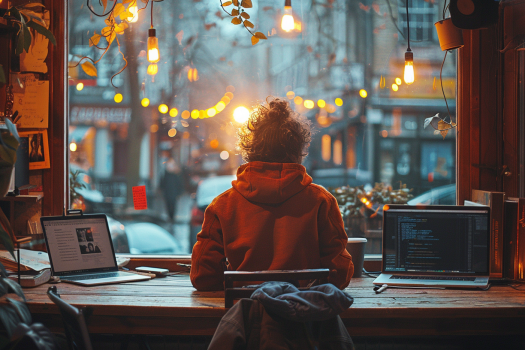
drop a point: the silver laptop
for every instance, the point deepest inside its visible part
(435, 246)
(81, 251)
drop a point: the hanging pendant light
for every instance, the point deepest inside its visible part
(409, 56)
(153, 42)
(287, 22)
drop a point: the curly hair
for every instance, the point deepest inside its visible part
(274, 133)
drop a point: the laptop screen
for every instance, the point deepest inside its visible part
(79, 244)
(435, 240)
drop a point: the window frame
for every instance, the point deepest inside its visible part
(479, 151)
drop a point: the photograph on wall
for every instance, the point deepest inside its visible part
(38, 149)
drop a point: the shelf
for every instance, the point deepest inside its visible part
(31, 198)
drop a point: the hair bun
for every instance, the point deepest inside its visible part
(279, 109)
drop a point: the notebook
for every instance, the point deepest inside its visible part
(81, 251)
(435, 246)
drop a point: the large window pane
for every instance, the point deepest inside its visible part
(174, 132)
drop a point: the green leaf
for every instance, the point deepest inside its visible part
(3, 272)
(9, 318)
(22, 310)
(33, 15)
(5, 239)
(42, 30)
(15, 287)
(2, 75)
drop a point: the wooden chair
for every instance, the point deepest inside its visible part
(231, 293)
(74, 322)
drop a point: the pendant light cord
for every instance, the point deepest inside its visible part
(152, 13)
(408, 27)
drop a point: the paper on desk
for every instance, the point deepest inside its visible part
(30, 259)
(31, 100)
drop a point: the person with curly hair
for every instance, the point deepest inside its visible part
(274, 217)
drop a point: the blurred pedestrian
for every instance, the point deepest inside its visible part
(172, 186)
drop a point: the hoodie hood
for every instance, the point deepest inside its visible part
(270, 183)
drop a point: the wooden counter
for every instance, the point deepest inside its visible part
(171, 306)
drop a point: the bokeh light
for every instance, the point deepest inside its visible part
(154, 128)
(118, 98)
(211, 112)
(163, 109)
(241, 114)
(290, 95)
(321, 103)
(363, 93)
(72, 146)
(298, 100)
(398, 81)
(229, 95)
(195, 114)
(309, 104)
(174, 112)
(224, 155)
(395, 87)
(338, 102)
(80, 86)
(185, 114)
(145, 102)
(214, 143)
(220, 106)
(172, 132)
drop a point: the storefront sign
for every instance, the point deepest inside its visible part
(91, 115)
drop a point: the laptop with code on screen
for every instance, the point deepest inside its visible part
(435, 246)
(81, 251)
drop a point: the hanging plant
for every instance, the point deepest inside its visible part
(117, 19)
(240, 16)
(440, 125)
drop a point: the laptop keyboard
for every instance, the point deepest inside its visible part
(433, 278)
(92, 277)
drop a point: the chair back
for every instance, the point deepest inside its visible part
(74, 322)
(231, 293)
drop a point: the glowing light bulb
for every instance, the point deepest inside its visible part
(153, 69)
(241, 114)
(134, 10)
(287, 22)
(409, 67)
(153, 46)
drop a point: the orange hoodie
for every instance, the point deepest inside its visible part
(274, 218)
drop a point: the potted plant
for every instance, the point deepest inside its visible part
(362, 209)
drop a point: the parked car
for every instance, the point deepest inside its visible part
(93, 200)
(442, 195)
(207, 190)
(142, 238)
